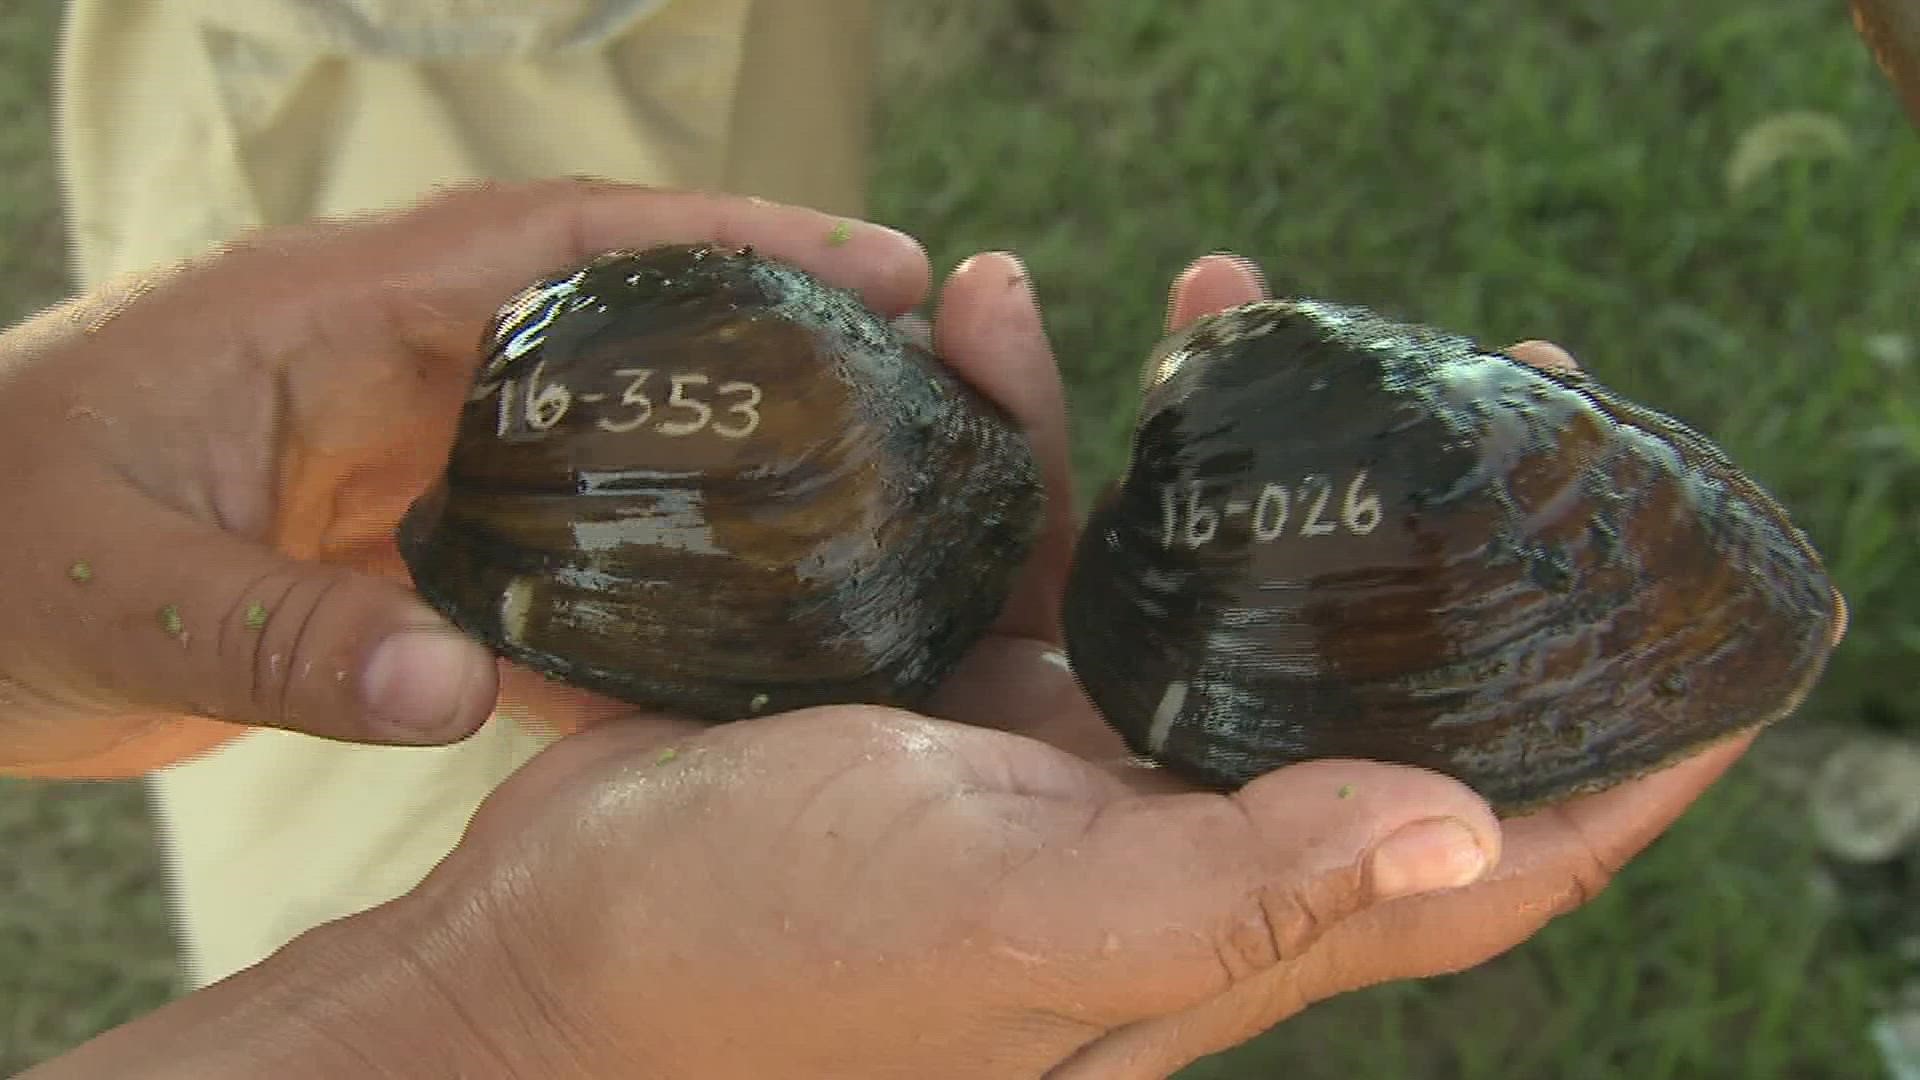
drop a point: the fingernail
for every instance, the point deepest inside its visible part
(1016, 270)
(1008, 265)
(898, 236)
(416, 685)
(1441, 853)
(1247, 266)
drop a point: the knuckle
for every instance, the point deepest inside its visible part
(268, 635)
(1588, 878)
(1273, 925)
(1589, 871)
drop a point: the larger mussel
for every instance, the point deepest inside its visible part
(1345, 536)
(702, 480)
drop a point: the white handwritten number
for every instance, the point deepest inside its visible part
(545, 404)
(702, 412)
(1270, 512)
(1202, 521)
(1360, 511)
(1360, 514)
(506, 407)
(632, 397)
(1313, 526)
(748, 409)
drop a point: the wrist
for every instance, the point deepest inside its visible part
(350, 998)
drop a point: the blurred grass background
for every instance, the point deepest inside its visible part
(1713, 204)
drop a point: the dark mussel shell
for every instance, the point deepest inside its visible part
(704, 481)
(1343, 536)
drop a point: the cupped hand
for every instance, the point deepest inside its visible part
(205, 466)
(863, 892)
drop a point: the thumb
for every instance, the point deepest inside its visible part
(1170, 900)
(171, 614)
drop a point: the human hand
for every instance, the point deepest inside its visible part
(855, 891)
(206, 466)
(1018, 680)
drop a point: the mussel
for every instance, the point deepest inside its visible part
(702, 480)
(1341, 535)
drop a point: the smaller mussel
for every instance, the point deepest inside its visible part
(702, 480)
(1344, 536)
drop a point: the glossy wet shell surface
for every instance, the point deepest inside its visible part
(1341, 536)
(704, 481)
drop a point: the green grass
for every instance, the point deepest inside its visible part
(1506, 168)
(84, 938)
(32, 269)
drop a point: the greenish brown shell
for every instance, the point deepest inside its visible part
(1344, 536)
(704, 481)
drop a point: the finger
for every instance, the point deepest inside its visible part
(492, 237)
(1551, 863)
(430, 276)
(478, 244)
(1212, 283)
(1555, 862)
(177, 616)
(1164, 902)
(988, 328)
(1027, 686)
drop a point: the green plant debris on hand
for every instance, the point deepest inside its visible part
(256, 615)
(170, 620)
(80, 571)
